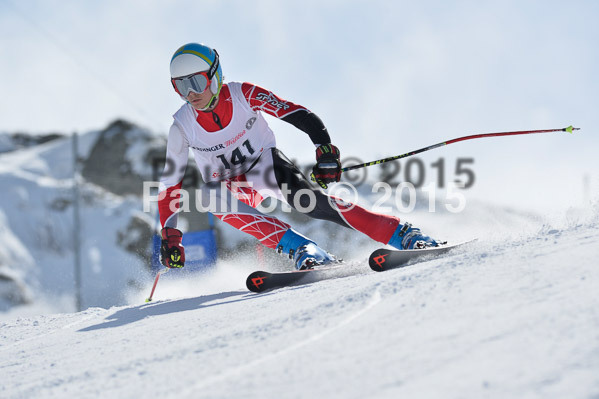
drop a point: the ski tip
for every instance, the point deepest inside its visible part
(255, 281)
(384, 259)
(378, 259)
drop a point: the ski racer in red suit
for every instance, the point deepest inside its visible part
(236, 153)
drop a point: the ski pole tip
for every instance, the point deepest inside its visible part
(148, 300)
(570, 129)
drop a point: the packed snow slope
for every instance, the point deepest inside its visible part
(514, 316)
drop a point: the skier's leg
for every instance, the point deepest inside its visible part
(377, 226)
(219, 200)
(231, 204)
(385, 229)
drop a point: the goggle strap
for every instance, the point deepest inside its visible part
(214, 66)
(211, 103)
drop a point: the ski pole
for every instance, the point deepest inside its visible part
(160, 272)
(568, 129)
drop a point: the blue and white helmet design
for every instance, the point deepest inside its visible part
(192, 58)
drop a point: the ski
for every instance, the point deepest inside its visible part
(380, 260)
(261, 281)
(385, 259)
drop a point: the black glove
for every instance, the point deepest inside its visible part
(172, 253)
(328, 166)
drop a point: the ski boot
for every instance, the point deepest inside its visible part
(304, 252)
(408, 237)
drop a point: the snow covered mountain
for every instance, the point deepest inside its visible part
(515, 316)
(36, 217)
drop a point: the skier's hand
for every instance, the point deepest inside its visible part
(172, 253)
(328, 166)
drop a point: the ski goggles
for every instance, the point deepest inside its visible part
(197, 82)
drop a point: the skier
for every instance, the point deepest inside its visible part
(234, 147)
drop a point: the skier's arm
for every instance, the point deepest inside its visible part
(264, 100)
(172, 253)
(177, 152)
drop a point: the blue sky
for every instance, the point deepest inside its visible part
(385, 76)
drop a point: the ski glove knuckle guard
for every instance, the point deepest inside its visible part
(328, 166)
(172, 253)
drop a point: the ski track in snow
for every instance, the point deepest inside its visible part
(512, 318)
(249, 366)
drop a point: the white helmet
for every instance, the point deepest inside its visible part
(187, 65)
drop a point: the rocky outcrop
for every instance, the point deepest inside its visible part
(120, 160)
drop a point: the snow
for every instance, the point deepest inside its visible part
(36, 243)
(515, 316)
(6, 143)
